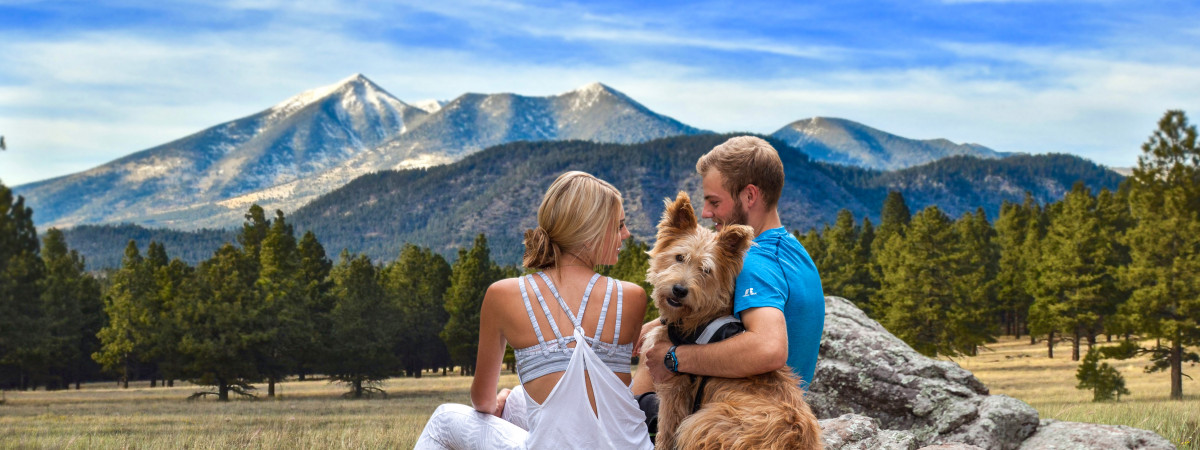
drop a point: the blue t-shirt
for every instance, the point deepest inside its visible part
(778, 272)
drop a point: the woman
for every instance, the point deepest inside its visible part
(544, 316)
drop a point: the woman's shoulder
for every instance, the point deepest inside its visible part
(505, 287)
(632, 291)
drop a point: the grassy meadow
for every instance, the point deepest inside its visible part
(312, 414)
(1015, 368)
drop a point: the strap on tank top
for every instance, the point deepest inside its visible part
(576, 320)
(604, 314)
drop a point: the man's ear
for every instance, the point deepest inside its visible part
(679, 214)
(750, 196)
(735, 239)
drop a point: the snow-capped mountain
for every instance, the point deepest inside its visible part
(842, 141)
(319, 140)
(301, 136)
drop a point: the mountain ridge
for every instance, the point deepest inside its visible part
(320, 139)
(496, 192)
(843, 141)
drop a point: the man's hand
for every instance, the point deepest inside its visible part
(501, 399)
(654, 363)
(646, 327)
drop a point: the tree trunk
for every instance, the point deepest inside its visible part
(270, 387)
(1050, 345)
(125, 382)
(1177, 367)
(301, 375)
(1075, 347)
(153, 381)
(1091, 339)
(171, 382)
(222, 390)
(357, 388)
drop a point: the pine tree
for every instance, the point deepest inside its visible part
(281, 289)
(1104, 380)
(1012, 276)
(417, 282)
(894, 219)
(471, 276)
(1165, 245)
(124, 339)
(918, 300)
(845, 265)
(22, 325)
(72, 305)
(170, 279)
(219, 334)
(978, 258)
(314, 268)
(1075, 271)
(366, 327)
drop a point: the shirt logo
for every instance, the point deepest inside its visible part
(749, 292)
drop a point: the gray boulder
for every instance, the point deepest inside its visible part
(855, 432)
(1056, 435)
(864, 370)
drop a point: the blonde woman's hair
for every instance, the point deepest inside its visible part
(746, 160)
(578, 213)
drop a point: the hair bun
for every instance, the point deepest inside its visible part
(539, 249)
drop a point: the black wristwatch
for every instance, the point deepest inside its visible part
(671, 361)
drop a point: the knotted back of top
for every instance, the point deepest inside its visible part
(550, 356)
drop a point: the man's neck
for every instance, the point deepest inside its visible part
(767, 221)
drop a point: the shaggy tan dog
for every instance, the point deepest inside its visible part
(693, 270)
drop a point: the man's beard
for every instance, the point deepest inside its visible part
(738, 217)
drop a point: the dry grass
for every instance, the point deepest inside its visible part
(312, 414)
(1015, 368)
(309, 414)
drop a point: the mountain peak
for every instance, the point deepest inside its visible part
(351, 84)
(593, 87)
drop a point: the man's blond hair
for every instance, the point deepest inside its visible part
(746, 160)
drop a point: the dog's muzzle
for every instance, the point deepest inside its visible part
(677, 292)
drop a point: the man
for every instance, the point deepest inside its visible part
(777, 295)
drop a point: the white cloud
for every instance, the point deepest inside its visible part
(88, 98)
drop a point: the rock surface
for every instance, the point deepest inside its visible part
(1053, 434)
(855, 432)
(874, 391)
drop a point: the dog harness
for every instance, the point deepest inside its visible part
(547, 357)
(718, 330)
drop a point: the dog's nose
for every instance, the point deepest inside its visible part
(679, 291)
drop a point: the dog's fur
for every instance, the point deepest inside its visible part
(759, 412)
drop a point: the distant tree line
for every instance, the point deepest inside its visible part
(1122, 263)
(270, 307)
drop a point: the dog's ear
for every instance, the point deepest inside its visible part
(735, 239)
(679, 214)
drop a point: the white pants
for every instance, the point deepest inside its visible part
(455, 426)
(461, 427)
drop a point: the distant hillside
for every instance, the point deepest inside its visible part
(103, 246)
(496, 191)
(846, 142)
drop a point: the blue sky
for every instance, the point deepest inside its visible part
(86, 82)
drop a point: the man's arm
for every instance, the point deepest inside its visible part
(761, 349)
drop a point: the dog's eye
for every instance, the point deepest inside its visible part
(679, 258)
(708, 271)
